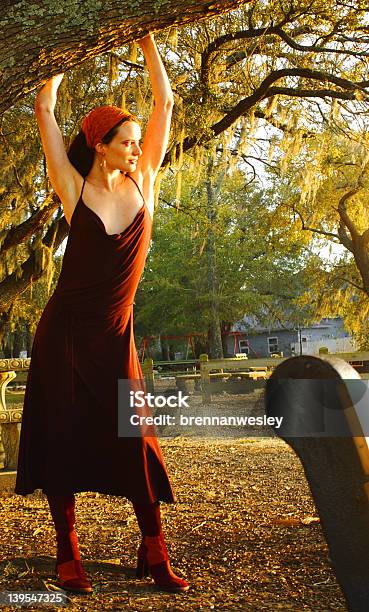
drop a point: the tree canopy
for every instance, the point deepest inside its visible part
(257, 90)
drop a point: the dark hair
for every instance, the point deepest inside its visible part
(81, 156)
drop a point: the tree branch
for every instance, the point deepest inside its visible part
(312, 93)
(344, 216)
(365, 238)
(344, 238)
(315, 48)
(314, 229)
(41, 39)
(13, 285)
(265, 90)
(349, 282)
(16, 235)
(269, 32)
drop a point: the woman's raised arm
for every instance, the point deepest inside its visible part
(157, 132)
(64, 178)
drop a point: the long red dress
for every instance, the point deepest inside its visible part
(83, 344)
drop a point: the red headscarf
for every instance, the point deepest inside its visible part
(101, 120)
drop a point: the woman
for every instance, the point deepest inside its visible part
(84, 341)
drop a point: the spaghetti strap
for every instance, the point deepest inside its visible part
(83, 186)
(132, 179)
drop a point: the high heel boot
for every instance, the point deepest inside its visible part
(68, 568)
(153, 560)
(152, 553)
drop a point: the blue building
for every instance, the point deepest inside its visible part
(250, 337)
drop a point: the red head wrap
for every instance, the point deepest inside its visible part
(100, 121)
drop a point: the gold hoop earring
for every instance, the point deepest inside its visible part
(102, 163)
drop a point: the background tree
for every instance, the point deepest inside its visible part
(254, 266)
(328, 194)
(26, 310)
(254, 82)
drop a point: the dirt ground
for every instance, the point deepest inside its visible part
(244, 531)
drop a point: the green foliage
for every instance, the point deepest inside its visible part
(25, 187)
(328, 193)
(253, 261)
(273, 160)
(28, 307)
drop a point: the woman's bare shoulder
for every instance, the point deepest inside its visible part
(146, 183)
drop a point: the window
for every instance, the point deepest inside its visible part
(273, 345)
(244, 346)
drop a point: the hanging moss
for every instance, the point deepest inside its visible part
(173, 38)
(271, 106)
(64, 108)
(113, 73)
(113, 68)
(252, 121)
(296, 142)
(335, 113)
(157, 186)
(44, 263)
(179, 165)
(178, 188)
(202, 246)
(132, 52)
(123, 102)
(199, 162)
(272, 145)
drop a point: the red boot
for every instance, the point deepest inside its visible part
(69, 569)
(152, 553)
(153, 560)
(72, 577)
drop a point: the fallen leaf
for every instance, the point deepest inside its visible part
(38, 530)
(288, 521)
(310, 519)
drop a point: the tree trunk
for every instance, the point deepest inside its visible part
(224, 327)
(215, 338)
(41, 38)
(17, 341)
(14, 284)
(29, 342)
(171, 352)
(7, 349)
(201, 346)
(5, 317)
(164, 349)
(361, 255)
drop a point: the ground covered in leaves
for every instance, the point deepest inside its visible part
(244, 532)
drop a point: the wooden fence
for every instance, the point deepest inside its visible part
(209, 369)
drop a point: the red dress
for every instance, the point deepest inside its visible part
(83, 344)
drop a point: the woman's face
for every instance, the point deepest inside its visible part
(124, 149)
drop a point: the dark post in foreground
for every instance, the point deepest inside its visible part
(319, 400)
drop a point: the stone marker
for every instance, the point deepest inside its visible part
(320, 399)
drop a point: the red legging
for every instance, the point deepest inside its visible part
(148, 518)
(62, 508)
(62, 512)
